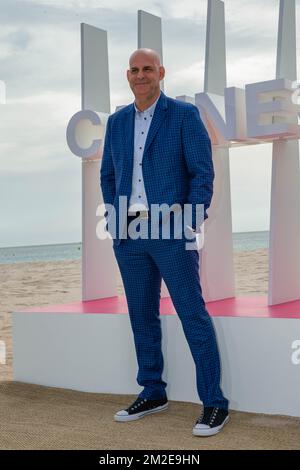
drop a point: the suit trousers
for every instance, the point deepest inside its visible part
(142, 264)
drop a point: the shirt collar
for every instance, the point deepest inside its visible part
(147, 110)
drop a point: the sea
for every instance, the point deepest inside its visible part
(242, 241)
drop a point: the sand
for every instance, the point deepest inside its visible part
(24, 285)
(37, 417)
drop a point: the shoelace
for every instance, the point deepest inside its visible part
(213, 416)
(137, 403)
(207, 416)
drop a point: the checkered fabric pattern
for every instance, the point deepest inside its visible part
(143, 263)
(177, 168)
(177, 159)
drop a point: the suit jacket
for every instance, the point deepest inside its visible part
(177, 160)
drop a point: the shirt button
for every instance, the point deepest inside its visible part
(140, 180)
(139, 163)
(140, 196)
(140, 148)
(145, 119)
(142, 132)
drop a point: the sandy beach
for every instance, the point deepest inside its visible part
(24, 285)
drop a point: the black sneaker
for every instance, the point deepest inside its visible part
(140, 408)
(211, 421)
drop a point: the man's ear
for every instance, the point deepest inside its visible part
(162, 72)
(127, 74)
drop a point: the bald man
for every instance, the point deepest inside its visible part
(157, 151)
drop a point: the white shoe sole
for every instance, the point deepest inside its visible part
(125, 418)
(210, 431)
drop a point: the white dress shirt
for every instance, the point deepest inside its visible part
(138, 199)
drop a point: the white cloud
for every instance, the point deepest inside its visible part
(257, 68)
(35, 128)
(187, 80)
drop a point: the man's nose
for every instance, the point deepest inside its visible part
(140, 74)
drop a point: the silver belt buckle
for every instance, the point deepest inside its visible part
(144, 214)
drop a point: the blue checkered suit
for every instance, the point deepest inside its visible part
(177, 164)
(177, 168)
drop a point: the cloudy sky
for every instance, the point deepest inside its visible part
(40, 180)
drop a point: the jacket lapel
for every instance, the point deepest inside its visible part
(160, 113)
(129, 132)
(158, 117)
(129, 147)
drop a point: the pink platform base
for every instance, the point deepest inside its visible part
(246, 306)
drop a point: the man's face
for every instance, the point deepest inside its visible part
(144, 75)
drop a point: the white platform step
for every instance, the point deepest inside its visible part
(95, 353)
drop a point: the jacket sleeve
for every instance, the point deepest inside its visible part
(107, 171)
(198, 156)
